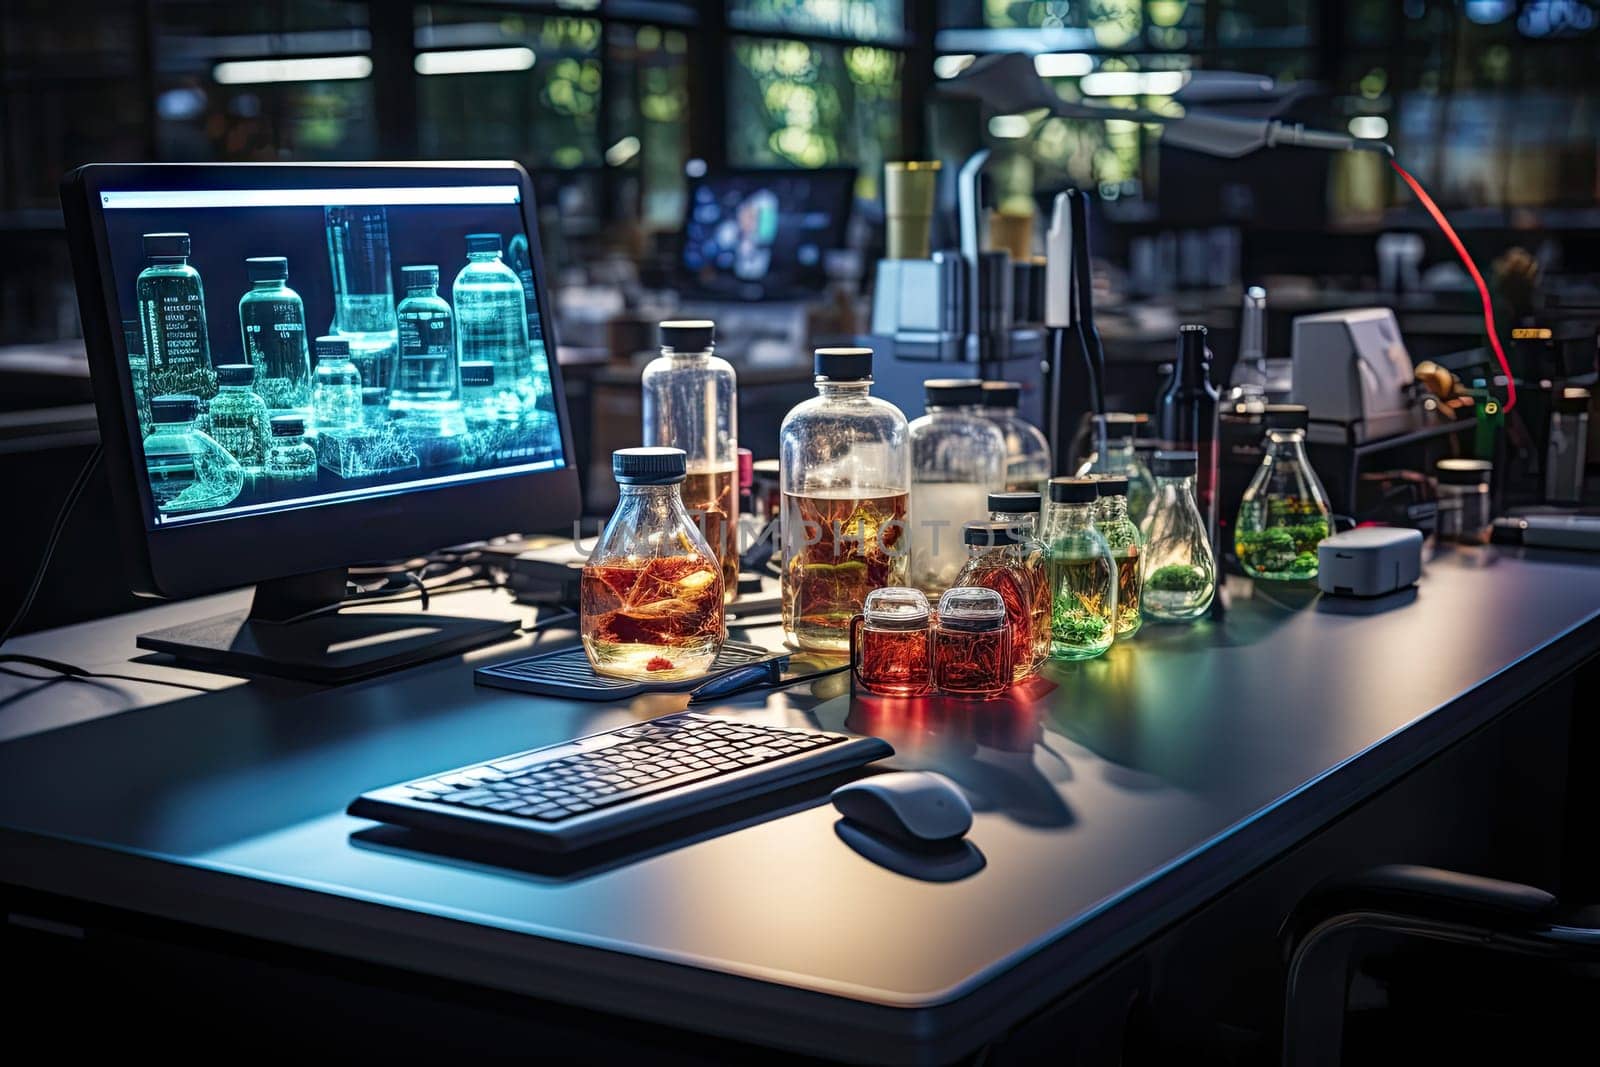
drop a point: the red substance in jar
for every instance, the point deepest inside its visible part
(658, 663)
(893, 662)
(1022, 620)
(667, 600)
(972, 663)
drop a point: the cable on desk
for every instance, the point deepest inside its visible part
(67, 672)
(59, 525)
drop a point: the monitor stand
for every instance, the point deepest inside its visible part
(279, 637)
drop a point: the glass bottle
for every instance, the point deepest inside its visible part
(490, 426)
(1180, 572)
(427, 385)
(172, 313)
(1284, 513)
(138, 371)
(1115, 439)
(272, 320)
(844, 476)
(492, 321)
(237, 417)
(291, 461)
(1027, 448)
(363, 289)
(690, 402)
(1255, 378)
(651, 593)
(1122, 536)
(335, 387)
(1187, 417)
(1020, 511)
(957, 458)
(1082, 573)
(999, 558)
(892, 643)
(188, 471)
(971, 644)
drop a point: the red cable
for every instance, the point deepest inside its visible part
(1477, 279)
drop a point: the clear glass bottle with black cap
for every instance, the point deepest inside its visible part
(650, 597)
(335, 387)
(1284, 514)
(1000, 557)
(272, 323)
(1112, 520)
(972, 643)
(844, 474)
(1082, 573)
(1187, 418)
(172, 312)
(1027, 448)
(188, 470)
(1114, 437)
(491, 321)
(691, 402)
(237, 417)
(291, 462)
(1023, 513)
(1180, 571)
(958, 458)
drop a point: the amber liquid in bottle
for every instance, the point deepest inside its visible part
(659, 617)
(712, 502)
(837, 550)
(1128, 585)
(972, 663)
(1023, 611)
(894, 662)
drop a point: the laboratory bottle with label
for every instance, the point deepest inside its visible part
(272, 320)
(172, 315)
(188, 470)
(958, 458)
(335, 388)
(237, 417)
(427, 386)
(1180, 571)
(492, 321)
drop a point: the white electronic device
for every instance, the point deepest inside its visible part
(1351, 365)
(1369, 561)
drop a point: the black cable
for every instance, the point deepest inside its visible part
(67, 672)
(56, 528)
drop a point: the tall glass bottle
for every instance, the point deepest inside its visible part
(957, 458)
(651, 593)
(845, 479)
(139, 371)
(427, 386)
(335, 387)
(363, 289)
(690, 402)
(1027, 448)
(999, 557)
(1284, 514)
(172, 314)
(188, 471)
(1180, 572)
(1187, 418)
(1115, 438)
(237, 418)
(1082, 573)
(272, 320)
(1111, 519)
(492, 321)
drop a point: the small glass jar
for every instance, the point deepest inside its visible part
(1082, 573)
(335, 387)
(971, 644)
(1000, 557)
(890, 643)
(291, 462)
(1020, 509)
(1021, 512)
(1122, 537)
(237, 417)
(1284, 513)
(188, 471)
(1115, 438)
(958, 458)
(1027, 448)
(1465, 512)
(1180, 573)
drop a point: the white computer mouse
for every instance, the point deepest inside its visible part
(914, 807)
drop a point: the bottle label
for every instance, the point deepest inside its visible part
(425, 337)
(177, 330)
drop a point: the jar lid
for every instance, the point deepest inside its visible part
(1111, 485)
(1286, 417)
(952, 392)
(1573, 399)
(1002, 394)
(843, 364)
(178, 407)
(267, 268)
(1073, 491)
(288, 425)
(897, 607)
(166, 245)
(1175, 464)
(330, 347)
(687, 335)
(649, 466)
(477, 372)
(236, 374)
(419, 275)
(483, 242)
(1464, 471)
(971, 608)
(1120, 425)
(1014, 503)
(990, 534)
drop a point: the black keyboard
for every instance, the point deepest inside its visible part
(611, 784)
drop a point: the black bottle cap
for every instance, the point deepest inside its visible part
(267, 268)
(329, 347)
(1014, 503)
(1464, 471)
(843, 364)
(236, 374)
(1286, 417)
(179, 407)
(1002, 395)
(166, 245)
(1175, 464)
(477, 372)
(420, 276)
(1073, 491)
(483, 242)
(649, 466)
(1572, 400)
(1112, 485)
(288, 425)
(989, 533)
(688, 335)
(952, 392)
(1192, 343)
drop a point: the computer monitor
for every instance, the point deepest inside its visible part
(762, 234)
(298, 368)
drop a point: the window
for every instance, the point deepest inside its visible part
(649, 100)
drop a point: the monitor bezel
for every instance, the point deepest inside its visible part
(209, 556)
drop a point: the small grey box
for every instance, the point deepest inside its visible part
(1369, 561)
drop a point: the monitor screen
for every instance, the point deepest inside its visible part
(762, 235)
(295, 348)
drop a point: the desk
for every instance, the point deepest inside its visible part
(1130, 795)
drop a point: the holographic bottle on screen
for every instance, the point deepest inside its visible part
(336, 387)
(427, 386)
(188, 471)
(363, 292)
(139, 371)
(492, 321)
(238, 417)
(172, 315)
(272, 322)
